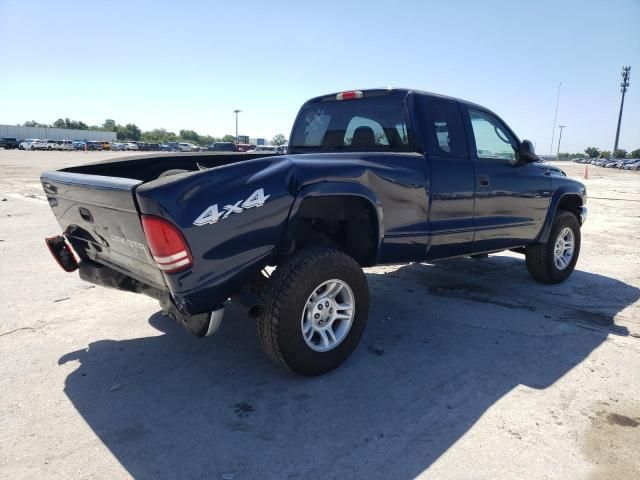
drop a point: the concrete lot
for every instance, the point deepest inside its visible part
(468, 369)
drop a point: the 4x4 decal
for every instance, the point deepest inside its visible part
(212, 214)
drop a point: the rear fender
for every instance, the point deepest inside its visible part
(334, 189)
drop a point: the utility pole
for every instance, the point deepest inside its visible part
(624, 85)
(555, 117)
(559, 140)
(237, 112)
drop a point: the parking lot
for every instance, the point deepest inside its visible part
(467, 369)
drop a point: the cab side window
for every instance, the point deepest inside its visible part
(445, 133)
(493, 140)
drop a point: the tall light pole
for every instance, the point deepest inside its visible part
(555, 117)
(559, 140)
(623, 88)
(237, 112)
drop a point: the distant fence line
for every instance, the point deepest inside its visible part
(43, 133)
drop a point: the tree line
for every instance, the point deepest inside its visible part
(593, 152)
(132, 132)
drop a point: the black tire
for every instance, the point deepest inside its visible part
(174, 171)
(32, 148)
(284, 297)
(540, 258)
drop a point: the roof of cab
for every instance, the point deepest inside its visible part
(393, 92)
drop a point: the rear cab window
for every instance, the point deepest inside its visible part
(375, 123)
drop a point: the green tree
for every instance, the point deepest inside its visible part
(604, 154)
(279, 139)
(635, 153)
(592, 152)
(33, 123)
(59, 123)
(228, 138)
(110, 125)
(207, 140)
(158, 135)
(620, 153)
(190, 135)
(132, 132)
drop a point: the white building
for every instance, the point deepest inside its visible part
(43, 133)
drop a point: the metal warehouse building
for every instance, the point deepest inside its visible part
(44, 133)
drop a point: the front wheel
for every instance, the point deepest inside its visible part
(316, 309)
(554, 261)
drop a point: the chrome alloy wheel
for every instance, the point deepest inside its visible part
(328, 315)
(563, 250)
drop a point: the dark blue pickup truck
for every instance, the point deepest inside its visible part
(372, 176)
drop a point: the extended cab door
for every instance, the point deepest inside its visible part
(511, 197)
(451, 178)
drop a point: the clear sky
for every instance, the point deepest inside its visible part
(189, 64)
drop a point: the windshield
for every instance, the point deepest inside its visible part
(368, 124)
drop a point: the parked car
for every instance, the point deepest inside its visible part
(265, 148)
(131, 146)
(65, 145)
(633, 164)
(51, 144)
(9, 143)
(282, 149)
(244, 147)
(369, 179)
(33, 144)
(222, 147)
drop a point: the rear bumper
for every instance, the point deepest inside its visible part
(582, 212)
(200, 325)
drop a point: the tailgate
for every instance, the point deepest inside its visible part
(99, 216)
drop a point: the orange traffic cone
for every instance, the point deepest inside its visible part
(586, 172)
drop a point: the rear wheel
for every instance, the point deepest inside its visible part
(316, 309)
(554, 261)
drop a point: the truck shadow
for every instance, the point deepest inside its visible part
(437, 353)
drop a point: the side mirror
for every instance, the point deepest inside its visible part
(526, 152)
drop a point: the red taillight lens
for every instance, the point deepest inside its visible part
(167, 245)
(349, 95)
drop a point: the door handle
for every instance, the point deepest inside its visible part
(483, 180)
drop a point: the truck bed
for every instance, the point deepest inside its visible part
(148, 167)
(98, 210)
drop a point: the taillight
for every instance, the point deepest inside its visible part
(167, 245)
(349, 95)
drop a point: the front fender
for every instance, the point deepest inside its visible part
(560, 193)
